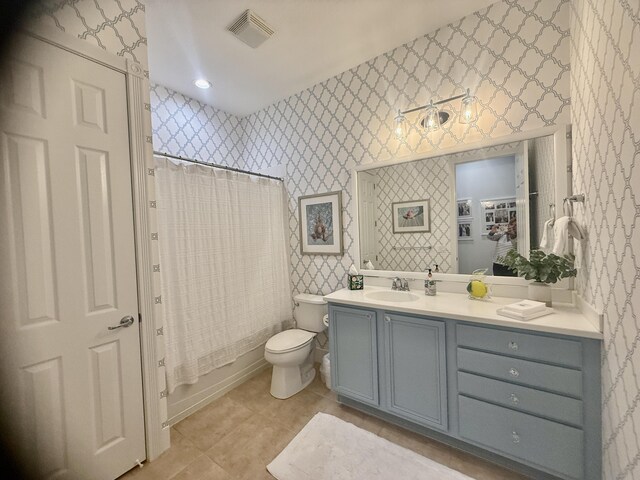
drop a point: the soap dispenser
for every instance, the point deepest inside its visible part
(430, 285)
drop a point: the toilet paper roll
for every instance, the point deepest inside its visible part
(325, 320)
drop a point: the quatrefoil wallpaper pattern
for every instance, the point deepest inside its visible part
(117, 26)
(605, 97)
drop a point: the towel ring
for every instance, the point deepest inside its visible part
(569, 201)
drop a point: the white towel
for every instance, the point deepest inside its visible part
(564, 229)
(561, 236)
(576, 230)
(547, 236)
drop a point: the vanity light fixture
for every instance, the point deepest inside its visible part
(400, 126)
(469, 109)
(434, 118)
(202, 83)
(431, 120)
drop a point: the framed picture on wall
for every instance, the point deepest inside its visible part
(412, 216)
(498, 212)
(320, 219)
(465, 229)
(464, 208)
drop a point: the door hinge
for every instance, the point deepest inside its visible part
(139, 318)
(375, 224)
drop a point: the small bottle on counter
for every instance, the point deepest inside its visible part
(437, 270)
(429, 285)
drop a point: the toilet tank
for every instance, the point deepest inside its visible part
(308, 312)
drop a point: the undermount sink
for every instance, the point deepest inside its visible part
(392, 296)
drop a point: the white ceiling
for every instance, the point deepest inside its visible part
(314, 40)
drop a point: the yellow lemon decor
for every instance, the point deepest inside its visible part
(477, 288)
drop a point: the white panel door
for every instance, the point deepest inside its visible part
(367, 214)
(73, 387)
(522, 199)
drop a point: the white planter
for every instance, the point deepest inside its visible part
(540, 292)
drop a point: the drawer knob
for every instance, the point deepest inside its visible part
(514, 398)
(515, 437)
(387, 319)
(513, 372)
(513, 345)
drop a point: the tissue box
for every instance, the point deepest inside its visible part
(356, 282)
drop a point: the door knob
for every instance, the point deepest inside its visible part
(124, 323)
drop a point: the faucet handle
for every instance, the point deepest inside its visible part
(397, 284)
(405, 285)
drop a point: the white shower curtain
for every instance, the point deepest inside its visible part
(223, 265)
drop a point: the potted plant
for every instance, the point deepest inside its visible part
(543, 269)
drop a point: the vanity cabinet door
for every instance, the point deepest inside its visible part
(415, 366)
(354, 353)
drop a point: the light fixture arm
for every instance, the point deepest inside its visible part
(439, 102)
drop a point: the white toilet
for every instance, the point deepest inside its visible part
(291, 352)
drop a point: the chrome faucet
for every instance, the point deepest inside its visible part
(400, 284)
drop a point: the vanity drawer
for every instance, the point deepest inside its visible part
(525, 345)
(548, 445)
(539, 375)
(550, 405)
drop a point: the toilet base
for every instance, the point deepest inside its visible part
(287, 381)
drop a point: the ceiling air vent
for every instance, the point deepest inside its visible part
(251, 29)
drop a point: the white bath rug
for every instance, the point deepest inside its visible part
(328, 448)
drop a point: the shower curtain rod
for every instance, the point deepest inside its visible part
(215, 165)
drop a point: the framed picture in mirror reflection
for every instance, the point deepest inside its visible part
(412, 216)
(465, 229)
(498, 212)
(464, 208)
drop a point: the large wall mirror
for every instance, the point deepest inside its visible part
(461, 209)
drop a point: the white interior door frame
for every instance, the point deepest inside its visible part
(156, 432)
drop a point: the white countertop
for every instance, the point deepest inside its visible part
(565, 320)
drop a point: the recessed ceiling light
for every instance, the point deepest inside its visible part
(202, 83)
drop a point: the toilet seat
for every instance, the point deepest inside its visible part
(289, 340)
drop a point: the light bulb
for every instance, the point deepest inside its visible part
(431, 120)
(469, 109)
(400, 126)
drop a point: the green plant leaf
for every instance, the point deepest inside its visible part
(540, 267)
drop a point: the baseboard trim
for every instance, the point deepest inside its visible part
(218, 390)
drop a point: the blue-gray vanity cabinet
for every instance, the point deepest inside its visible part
(529, 400)
(415, 367)
(353, 342)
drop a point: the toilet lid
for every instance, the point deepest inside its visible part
(288, 340)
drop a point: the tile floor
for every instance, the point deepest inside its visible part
(236, 436)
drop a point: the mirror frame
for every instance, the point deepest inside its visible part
(562, 155)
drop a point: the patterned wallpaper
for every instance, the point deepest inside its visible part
(513, 55)
(117, 26)
(430, 179)
(184, 126)
(605, 93)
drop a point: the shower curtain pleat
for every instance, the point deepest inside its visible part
(223, 265)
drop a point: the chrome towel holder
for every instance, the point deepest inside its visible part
(578, 197)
